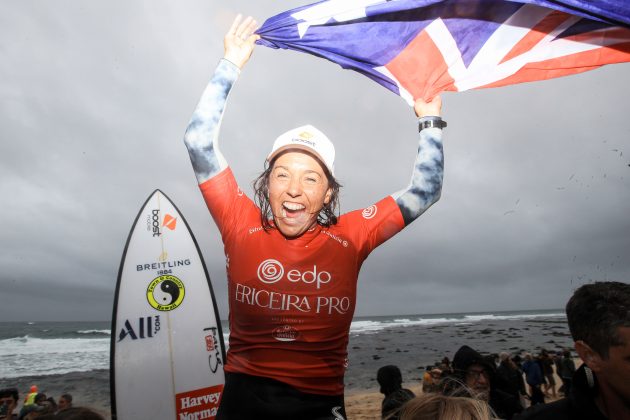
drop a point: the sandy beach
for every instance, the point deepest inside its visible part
(92, 390)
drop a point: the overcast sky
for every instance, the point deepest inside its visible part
(95, 98)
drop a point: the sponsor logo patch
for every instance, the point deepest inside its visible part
(155, 227)
(212, 347)
(369, 212)
(336, 238)
(199, 403)
(255, 229)
(304, 137)
(165, 293)
(163, 265)
(169, 222)
(285, 333)
(272, 271)
(153, 222)
(143, 327)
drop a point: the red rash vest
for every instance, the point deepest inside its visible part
(292, 300)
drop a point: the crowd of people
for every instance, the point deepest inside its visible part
(37, 405)
(523, 387)
(509, 382)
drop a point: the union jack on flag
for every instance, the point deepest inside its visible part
(419, 48)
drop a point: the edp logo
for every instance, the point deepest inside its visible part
(272, 271)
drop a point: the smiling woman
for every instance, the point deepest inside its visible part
(297, 168)
(292, 263)
(298, 190)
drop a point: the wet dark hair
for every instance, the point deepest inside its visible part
(389, 378)
(327, 216)
(596, 311)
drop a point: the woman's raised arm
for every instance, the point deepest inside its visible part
(428, 170)
(202, 133)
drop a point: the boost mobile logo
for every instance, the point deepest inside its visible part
(153, 222)
(169, 222)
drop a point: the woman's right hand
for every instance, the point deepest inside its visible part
(425, 109)
(240, 40)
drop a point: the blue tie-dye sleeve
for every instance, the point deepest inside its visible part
(202, 134)
(426, 180)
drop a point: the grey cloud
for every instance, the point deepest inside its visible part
(95, 98)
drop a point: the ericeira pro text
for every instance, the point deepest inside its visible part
(272, 271)
(288, 302)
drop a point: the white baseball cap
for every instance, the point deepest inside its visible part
(309, 139)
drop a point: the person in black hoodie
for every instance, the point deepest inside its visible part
(509, 377)
(390, 380)
(599, 321)
(474, 377)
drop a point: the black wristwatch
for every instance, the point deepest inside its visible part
(430, 122)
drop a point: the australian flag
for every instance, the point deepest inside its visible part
(419, 48)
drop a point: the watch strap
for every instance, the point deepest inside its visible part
(431, 122)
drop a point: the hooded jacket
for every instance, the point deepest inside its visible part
(503, 404)
(390, 380)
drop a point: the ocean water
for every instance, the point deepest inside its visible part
(414, 342)
(47, 348)
(361, 325)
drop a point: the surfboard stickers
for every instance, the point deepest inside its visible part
(167, 347)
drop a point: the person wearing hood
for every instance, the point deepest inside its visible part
(509, 377)
(474, 376)
(390, 381)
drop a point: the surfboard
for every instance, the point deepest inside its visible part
(167, 349)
